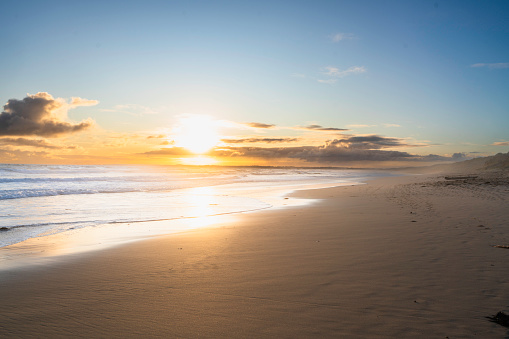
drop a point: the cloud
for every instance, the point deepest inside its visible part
(337, 73)
(39, 114)
(157, 136)
(328, 81)
(258, 125)
(320, 128)
(33, 143)
(492, 65)
(330, 153)
(369, 142)
(75, 101)
(500, 143)
(259, 140)
(342, 36)
(18, 155)
(327, 153)
(169, 151)
(392, 125)
(348, 149)
(459, 156)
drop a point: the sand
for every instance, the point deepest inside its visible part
(408, 257)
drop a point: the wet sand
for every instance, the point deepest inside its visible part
(410, 257)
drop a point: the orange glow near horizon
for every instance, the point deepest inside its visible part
(198, 161)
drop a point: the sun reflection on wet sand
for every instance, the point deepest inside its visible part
(199, 207)
(198, 213)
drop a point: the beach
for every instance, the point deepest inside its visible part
(417, 256)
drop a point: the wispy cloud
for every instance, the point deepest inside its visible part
(492, 65)
(76, 101)
(342, 36)
(178, 151)
(320, 128)
(335, 73)
(259, 140)
(338, 73)
(157, 136)
(328, 81)
(258, 125)
(500, 143)
(39, 143)
(392, 125)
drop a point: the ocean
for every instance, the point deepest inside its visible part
(41, 200)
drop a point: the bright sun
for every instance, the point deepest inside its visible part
(196, 133)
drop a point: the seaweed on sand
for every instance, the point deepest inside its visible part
(500, 318)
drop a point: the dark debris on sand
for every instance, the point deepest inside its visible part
(500, 318)
(494, 178)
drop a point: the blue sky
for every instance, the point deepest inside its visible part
(432, 73)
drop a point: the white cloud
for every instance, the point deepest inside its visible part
(492, 65)
(392, 125)
(334, 73)
(342, 36)
(338, 73)
(328, 81)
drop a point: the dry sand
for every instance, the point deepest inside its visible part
(408, 257)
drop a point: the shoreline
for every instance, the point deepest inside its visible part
(55, 247)
(400, 256)
(98, 198)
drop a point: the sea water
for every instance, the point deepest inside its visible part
(41, 200)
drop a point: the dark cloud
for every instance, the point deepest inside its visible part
(321, 128)
(459, 156)
(331, 153)
(259, 125)
(372, 142)
(315, 153)
(158, 136)
(261, 140)
(32, 142)
(454, 157)
(39, 115)
(170, 151)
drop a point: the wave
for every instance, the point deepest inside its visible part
(34, 193)
(74, 179)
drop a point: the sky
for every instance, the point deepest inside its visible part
(291, 83)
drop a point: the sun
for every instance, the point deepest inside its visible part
(196, 133)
